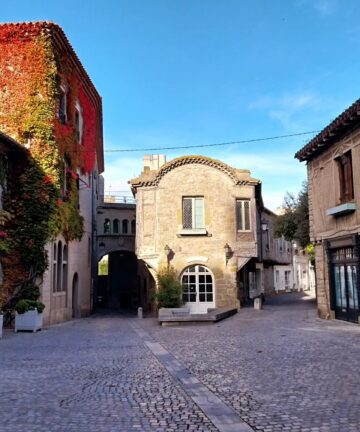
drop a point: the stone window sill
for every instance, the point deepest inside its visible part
(193, 232)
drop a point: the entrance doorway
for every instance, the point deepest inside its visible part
(199, 289)
(118, 281)
(75, 296)
(344, 274)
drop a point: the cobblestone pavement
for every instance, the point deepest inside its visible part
(89, 375)
(281, 369)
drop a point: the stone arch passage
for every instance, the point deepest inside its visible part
(117, 281)
(124, 282)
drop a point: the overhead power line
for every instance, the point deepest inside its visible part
(212, 145)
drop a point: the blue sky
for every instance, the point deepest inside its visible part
(194, 72)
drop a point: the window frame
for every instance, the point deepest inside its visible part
(79, 123)
(346, 177)
(195, 227)
(63, 108)
(242, 201)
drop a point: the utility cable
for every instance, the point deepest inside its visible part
(247, 141)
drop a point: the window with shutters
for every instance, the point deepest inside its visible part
(243, 215)
(344, 163)
(193, 215)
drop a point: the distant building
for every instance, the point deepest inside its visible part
(333, 161)
(304, 272)
(276, 255)
(50, 106)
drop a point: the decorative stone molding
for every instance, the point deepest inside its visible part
(239, 177)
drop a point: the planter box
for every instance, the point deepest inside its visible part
(29, 321)
(170, 312)
(1, 325)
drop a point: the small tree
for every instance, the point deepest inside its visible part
(169, 293)
(294, 223)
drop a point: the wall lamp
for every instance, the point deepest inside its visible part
(264, 226)
(228, 252)
(168, 253)
(101, 246)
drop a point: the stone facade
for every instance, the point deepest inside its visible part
(160, 197)
(333, 158)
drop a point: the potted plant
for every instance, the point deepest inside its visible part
(28, 315)
(169, 294)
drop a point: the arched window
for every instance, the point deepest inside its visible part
(125, 226)
(116, 226)
(133, 226)
(107, 226)
(54, 262)
(198, 290)
(59, 267)
(64, 268)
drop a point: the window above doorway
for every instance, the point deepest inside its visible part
(193, 221)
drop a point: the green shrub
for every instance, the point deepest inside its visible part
(24, 305)
(169, 293)
(30, 291)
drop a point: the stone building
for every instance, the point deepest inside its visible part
(333, 163)
(276, 256)
(202, 217)
(50, 106)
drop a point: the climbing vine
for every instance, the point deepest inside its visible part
(41, 197)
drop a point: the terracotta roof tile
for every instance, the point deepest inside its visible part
(345, 122)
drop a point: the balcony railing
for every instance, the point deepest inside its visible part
(118, 199)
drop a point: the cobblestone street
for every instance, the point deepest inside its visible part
(279, 369)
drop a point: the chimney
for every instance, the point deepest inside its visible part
(153, 162)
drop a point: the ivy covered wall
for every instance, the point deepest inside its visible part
(42, 195)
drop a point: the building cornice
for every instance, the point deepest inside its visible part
(152, 178)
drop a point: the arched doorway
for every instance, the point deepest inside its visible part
(118, 281)
(199, 289)
(75, 296)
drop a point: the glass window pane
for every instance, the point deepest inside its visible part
(202, 288)
(192, 298)
(187, 213)
(201, 297)
(209, 297)
(352, 289)
(239, 219)
(247, 214)
(209, 288)
(201, 278)
(199, 213)
(342, 286)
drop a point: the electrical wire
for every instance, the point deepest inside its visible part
(247, 141)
